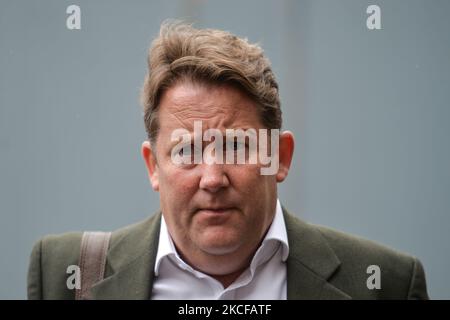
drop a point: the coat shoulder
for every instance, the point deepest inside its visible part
(50, 259)
(401, 275)
(52, 255)
(363, 269)
(350, 247)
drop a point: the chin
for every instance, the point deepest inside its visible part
(220, 250)
(217, 245)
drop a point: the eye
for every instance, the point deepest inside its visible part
(189, 153)
(182, 151)
(186, 151)
(236, 145)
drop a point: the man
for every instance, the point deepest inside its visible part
(222, 232)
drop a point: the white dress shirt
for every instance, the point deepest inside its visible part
(265, 278)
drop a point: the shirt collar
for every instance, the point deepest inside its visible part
(275, 236)
(166, 247)
(277, 231)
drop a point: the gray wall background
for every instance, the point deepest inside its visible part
(370, 111)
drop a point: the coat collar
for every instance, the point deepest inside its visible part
(130, 262)
(310, 264)
(132, 254)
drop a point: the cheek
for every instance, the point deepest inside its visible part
(248, 179)
(176, 191)
(257, 194)
(176, 185)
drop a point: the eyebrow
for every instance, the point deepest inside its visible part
(223, 132)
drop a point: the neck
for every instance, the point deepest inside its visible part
(225, 269)
(227, 279)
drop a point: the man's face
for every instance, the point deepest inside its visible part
(210, 209)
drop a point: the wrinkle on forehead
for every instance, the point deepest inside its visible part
(216, 107)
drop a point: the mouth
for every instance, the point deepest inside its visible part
(216, 216)
(216, 211)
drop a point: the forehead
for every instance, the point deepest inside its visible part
(217, 106)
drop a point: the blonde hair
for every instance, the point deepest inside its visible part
(209, 56)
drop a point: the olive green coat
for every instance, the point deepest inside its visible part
(322, 264)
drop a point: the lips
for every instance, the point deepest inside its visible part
(215, 216)
(219, 210)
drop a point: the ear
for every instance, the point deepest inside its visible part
(286, 152)
(151, 164)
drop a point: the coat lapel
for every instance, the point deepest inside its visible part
(310, 264)
(130, 262)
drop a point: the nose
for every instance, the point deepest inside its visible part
(213, 177)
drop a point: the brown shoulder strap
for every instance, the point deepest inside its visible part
(94, 247)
